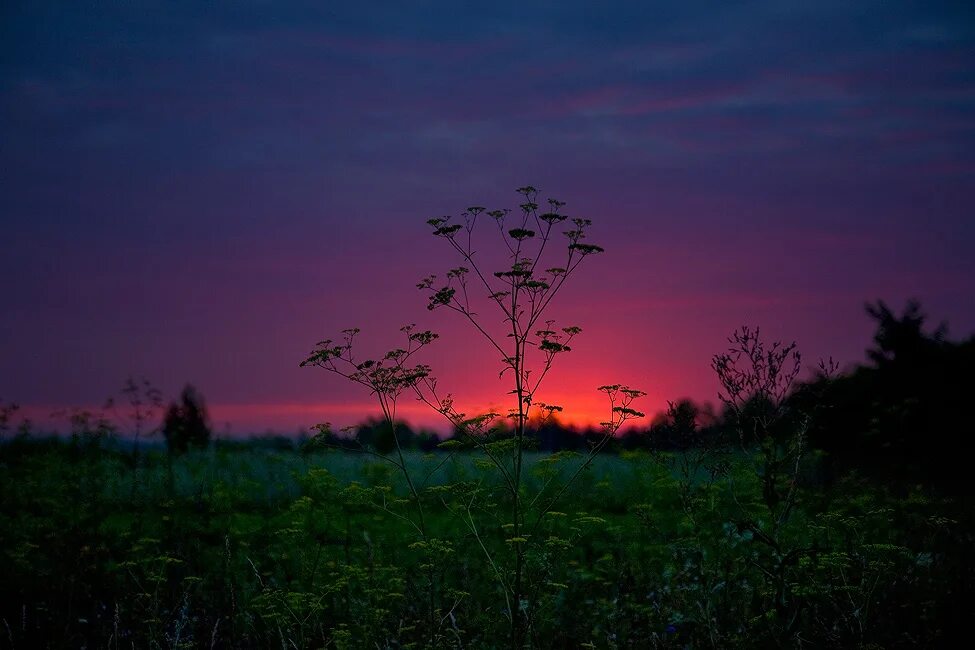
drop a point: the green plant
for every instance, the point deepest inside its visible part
(144, 401)
(533, 270)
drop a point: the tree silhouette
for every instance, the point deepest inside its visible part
(187, 424)
(901, 340)
(901, 417)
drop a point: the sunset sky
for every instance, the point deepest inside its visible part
(198, 192)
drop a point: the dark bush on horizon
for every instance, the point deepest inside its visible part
(186, 424)
(902, 417)
(376, 434)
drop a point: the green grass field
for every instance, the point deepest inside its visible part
(257, 548)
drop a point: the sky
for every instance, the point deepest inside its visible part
(199, 192)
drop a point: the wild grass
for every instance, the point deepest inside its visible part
(263, 548)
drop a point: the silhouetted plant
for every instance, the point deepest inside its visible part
(144, 403)
(520, 292)
(7, 412)
(90, 430)
(186, 424)
(535, 270)
(256, 546)
(757, 380)
(386, 378)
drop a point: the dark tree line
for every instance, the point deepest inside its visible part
(903, 416)
(900, 417)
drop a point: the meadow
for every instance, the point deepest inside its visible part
(243, 546)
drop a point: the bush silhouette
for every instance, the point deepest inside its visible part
(902, 416)
(186, 424)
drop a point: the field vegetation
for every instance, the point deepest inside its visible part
(829, 511)
(244, 546)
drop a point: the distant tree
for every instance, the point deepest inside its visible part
(904, 415)
(187, 424)
(7, 412)
(377, 434)
(901, 340)
(677, 428)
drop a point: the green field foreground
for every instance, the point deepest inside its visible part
(242, 547)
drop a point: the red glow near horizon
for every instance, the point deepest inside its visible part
(199, 199)
(584, 407)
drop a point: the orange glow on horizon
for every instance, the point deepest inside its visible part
(578, 413)
(298, 417)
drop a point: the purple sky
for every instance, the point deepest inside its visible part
(201, 191)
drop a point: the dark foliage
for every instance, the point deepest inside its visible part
(833, 513)
(902, 417)
(377, 435)
(186, 424)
